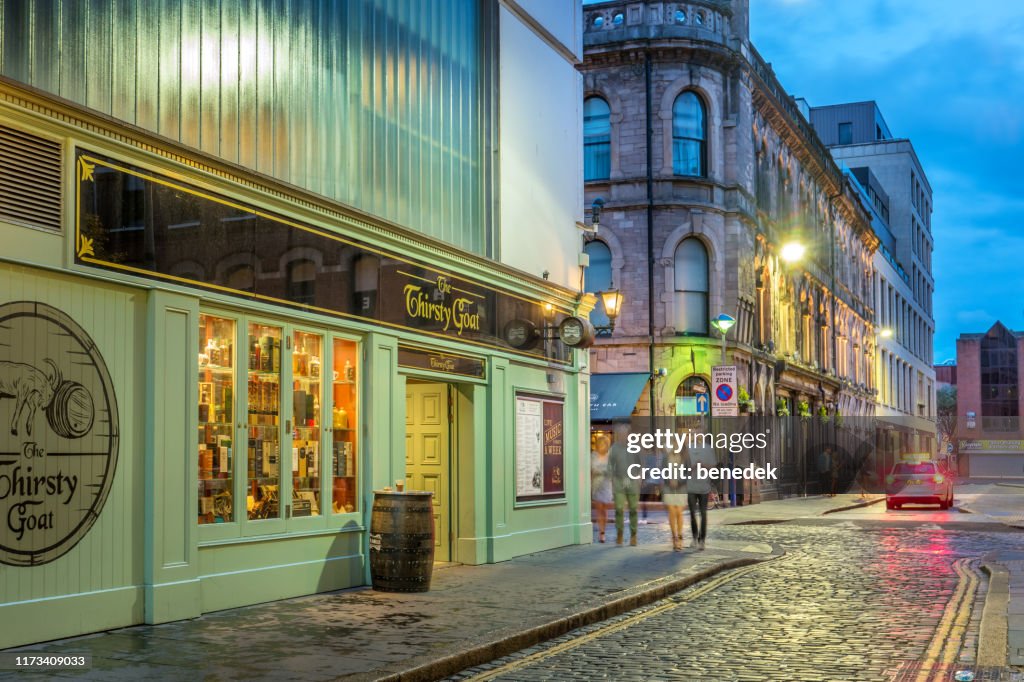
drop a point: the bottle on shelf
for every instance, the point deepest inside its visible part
(339, 418)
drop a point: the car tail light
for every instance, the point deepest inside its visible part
(890, 479)
(938, 478)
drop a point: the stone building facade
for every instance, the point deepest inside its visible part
(736, 175)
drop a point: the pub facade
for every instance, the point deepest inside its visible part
(227, 317)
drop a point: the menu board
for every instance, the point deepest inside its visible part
(540, 459)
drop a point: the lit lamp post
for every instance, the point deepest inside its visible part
(611, 298)
(723, 323)
(792, 251)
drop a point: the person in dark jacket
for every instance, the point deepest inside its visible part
(697, 490)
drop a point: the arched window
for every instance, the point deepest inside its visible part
(689, 135)
(687, 395)
(241, 278)
(598, 277)
(302, 282)
(691, 282)
(597, 135)
(365, 278)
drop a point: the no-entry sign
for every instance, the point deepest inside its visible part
(723, 391)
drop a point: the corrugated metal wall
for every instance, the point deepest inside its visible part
(375, 103)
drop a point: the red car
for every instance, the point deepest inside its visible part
(918, 483)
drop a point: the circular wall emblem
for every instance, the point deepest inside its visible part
(58, 433)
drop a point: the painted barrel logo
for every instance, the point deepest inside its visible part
(59, 433)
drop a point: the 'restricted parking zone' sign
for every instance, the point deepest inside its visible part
(723, 391)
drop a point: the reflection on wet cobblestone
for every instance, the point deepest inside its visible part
(853, 602)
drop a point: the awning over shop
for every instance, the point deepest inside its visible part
(613, 396)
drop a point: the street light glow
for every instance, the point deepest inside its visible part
(612, 300)
(885, 333)
(723, 323)
(793, 251)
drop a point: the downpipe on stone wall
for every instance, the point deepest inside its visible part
(650, 237)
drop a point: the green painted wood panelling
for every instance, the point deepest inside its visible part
(171, 579)
(107, 562)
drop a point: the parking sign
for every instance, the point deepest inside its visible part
(723, 391)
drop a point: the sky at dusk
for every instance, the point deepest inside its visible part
(950, 77)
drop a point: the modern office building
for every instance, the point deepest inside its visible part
(261, 259)
(893, 185)
(716, 197)
(989, 402)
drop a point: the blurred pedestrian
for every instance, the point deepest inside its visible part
(650, 487)
(625, 490)
(697, 489)
(601, 482)
(825, 458)
(674, 496)
(837, 471)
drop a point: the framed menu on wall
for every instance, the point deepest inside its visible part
(540, 439)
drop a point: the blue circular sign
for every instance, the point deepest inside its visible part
(724, 392)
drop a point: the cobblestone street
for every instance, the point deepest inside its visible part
(849, 601)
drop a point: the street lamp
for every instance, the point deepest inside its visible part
(723, 323)
(885, 333)
(793, 251)
(611, 298)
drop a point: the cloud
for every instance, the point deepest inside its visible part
(953, 82)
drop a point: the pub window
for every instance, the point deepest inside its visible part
(691, 285)
(689, 135)
(242, 278)
(216, 419)
(302, 282)
(365, 274)
(596, 139)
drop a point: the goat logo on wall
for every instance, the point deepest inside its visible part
(59, 434)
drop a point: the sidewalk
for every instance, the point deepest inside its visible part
(1001, 639)
(472, 613)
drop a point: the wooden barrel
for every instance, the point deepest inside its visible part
(402, 541)
(71, 411)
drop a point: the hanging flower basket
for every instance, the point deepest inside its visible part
(824, 415)
(743, 400)
(803, 410)
(781, 408)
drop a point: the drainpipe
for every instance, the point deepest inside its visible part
(650, 235)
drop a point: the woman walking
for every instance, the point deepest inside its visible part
(674, 496)
(600, 483)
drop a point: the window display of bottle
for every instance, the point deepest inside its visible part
(216, 417)
(264, 400)
(344, 427)
(306, 354)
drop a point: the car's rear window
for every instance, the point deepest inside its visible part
(924, 468)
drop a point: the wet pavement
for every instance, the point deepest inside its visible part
(826, 598)
(850, 600)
